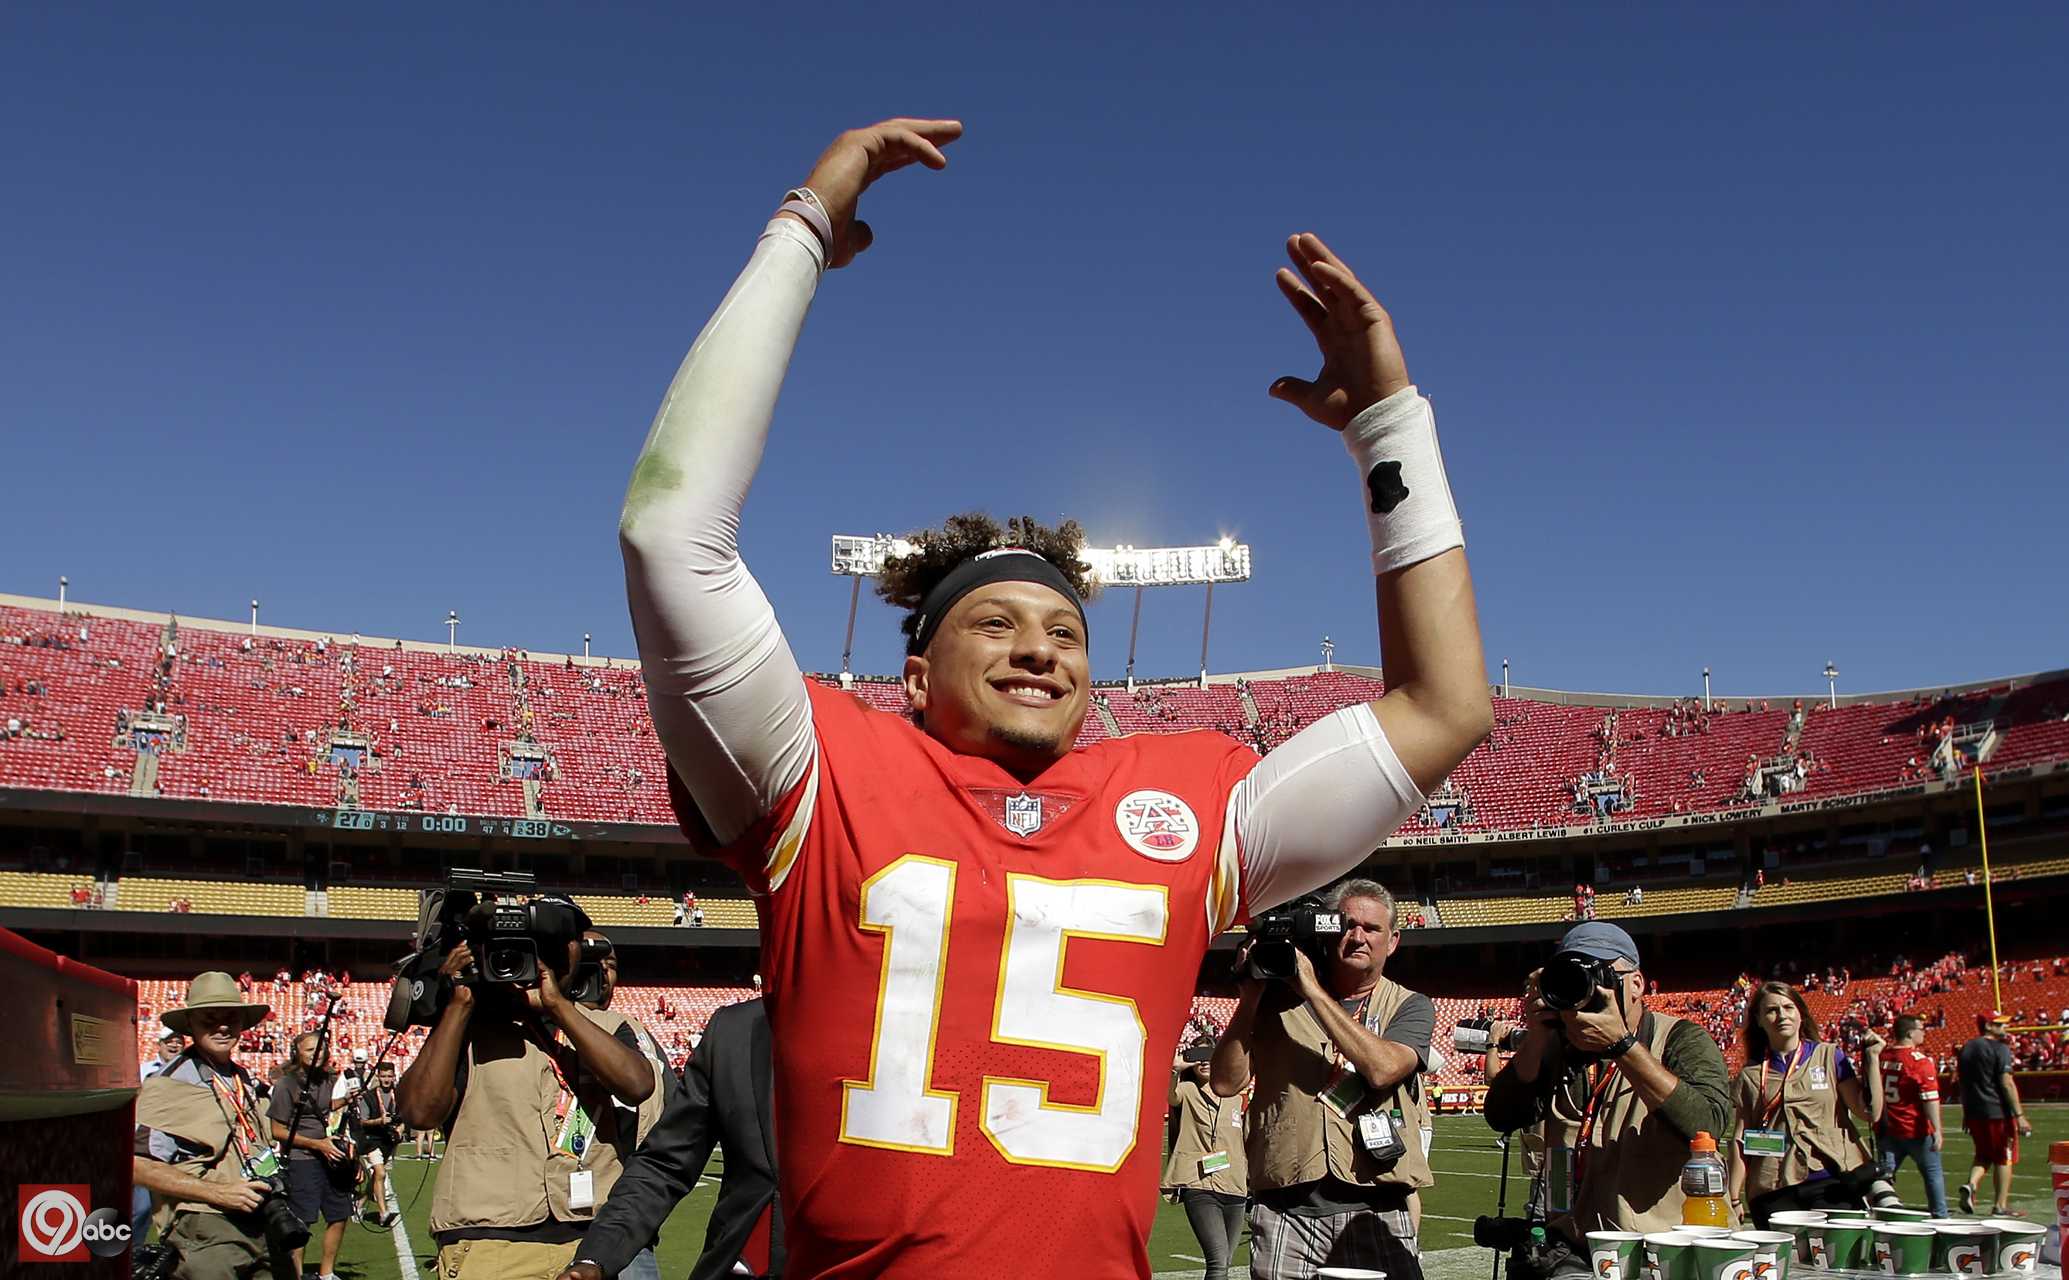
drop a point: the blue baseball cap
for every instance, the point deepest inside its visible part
(1600, 940)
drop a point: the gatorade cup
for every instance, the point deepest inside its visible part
(1723, 1258)
(2018, 1245)
(1615, 1254)
(1962, 1248)
(1903, 1248)
(1799, 1223)
(1773, 1252)
(1843, 1244)
(1670, 1255)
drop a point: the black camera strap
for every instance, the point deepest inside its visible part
(309, 1077)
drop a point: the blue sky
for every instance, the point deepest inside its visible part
(1745, 328)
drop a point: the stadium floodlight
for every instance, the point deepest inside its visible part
(254, 615)
(1706, 688)
(1832, 686)
(585, 644)
(1328, 654)
(452, 629)
(62, 583)
(858, 556)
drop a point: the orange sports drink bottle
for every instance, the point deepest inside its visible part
(1702, 1186)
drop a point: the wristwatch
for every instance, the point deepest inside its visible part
(1623, 1046)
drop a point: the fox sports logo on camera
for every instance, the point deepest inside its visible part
(55, 1226)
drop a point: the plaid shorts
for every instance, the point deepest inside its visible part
(1292, 1246)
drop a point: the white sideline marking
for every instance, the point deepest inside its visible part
(405, 1252)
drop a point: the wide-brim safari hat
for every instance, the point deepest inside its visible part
(214, 991)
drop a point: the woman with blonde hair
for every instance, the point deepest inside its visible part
(1797, 1098)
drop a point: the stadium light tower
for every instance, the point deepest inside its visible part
(452, 629)
(1328, 654)
(62, 583)
(858, 556)
(1832, 686)
(1706, 688)
(1504, 677)
(585, 644)
(254, 615)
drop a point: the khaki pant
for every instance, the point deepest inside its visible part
(504, 1260)
(212, 1248)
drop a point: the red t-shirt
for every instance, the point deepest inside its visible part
(973, 986)
(1909, 1081)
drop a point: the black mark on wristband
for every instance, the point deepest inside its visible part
(1384, 483)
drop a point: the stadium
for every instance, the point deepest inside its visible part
(181, 794)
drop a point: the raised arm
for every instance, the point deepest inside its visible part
(1316, 807)
(727, 697)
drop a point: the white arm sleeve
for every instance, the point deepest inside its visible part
(727, 697)
(1314, 809)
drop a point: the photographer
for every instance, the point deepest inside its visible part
(1207, 1171)
(322, 1167)
(377, 1127)
(1619, 1090)
(1335, 1144)
(201, 1140)
(541, 1100)
(1796, 1109)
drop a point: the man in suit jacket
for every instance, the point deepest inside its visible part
(723, 1098)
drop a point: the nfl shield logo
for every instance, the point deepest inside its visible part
(1023, 814)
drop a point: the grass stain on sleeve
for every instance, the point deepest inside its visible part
(652, 477)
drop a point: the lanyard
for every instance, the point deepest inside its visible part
(574, 1132)
(1587, 1123)
(1769, 1110)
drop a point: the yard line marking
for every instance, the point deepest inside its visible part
(405, 1252)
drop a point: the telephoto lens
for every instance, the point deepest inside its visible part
(1570, 982)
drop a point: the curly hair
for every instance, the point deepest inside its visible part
(904, 581)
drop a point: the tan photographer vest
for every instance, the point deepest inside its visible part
(1295, 1137)
(501, 1165)
(1821, 1133)
(1632, 1179)
(189, 1112)
(1207, 1124)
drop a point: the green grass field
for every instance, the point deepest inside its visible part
(1464, 1156)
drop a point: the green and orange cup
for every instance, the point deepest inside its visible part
(1963, 1247)
(1903, 1248)
(1843, 1244)
(1799, 1223)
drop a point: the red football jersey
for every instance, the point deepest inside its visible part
(1909, 1080)
(975, 989)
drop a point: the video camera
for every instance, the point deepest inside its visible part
(1300, 925)
(1473, 1035)
(513, 930)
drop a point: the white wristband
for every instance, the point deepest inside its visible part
(806, 204)
(1401, 482)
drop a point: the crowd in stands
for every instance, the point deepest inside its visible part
(271, 718)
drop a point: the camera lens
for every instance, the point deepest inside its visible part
(1567, 982)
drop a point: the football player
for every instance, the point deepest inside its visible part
(981, 944)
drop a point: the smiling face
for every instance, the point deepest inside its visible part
(1368, 939)
(1006, 676)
